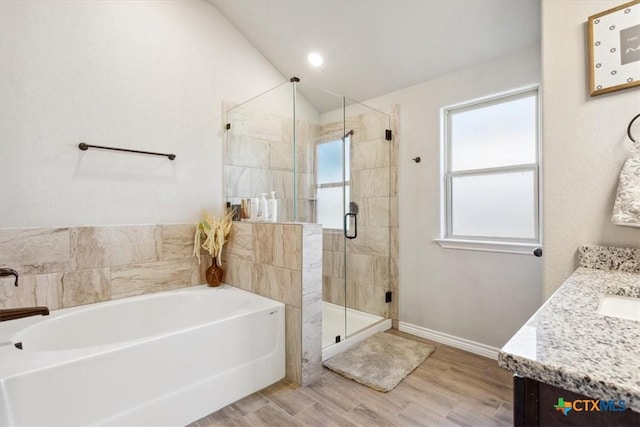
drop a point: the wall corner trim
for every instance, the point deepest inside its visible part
(450, 340)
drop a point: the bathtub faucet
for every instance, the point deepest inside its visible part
(18, 313)
(9, 272)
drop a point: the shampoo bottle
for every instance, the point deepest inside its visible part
(264, 208)
(255, 209)
(273, 208)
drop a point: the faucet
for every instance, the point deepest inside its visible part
(9, 272)
(17, 313)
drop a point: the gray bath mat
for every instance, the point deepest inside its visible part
(381, 361)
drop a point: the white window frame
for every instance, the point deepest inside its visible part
(345, 183)
(489, 243)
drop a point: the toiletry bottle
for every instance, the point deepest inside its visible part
(255, 209)
(264, 207)
(235, 207)
(244, 209)
(273, 208)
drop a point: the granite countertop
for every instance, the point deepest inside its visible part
(569, 345)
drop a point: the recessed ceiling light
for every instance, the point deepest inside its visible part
(315, 59)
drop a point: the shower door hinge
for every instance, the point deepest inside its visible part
(387, 296)
(387, 134)
(228, 126)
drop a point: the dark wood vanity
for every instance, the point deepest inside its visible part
(534, 404)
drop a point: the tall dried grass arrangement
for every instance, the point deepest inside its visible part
(215, 235)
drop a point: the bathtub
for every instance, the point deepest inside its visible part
(168, 358)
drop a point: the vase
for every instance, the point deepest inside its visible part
(214, 273)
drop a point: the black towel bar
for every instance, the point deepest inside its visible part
(84, 147)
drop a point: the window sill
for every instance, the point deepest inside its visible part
(488, 246)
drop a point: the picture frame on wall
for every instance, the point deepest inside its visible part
(614, 49)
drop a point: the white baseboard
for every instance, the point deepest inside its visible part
(450, 340)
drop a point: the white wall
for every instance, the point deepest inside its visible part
(479, 296)
(134, 74)
(585, 143)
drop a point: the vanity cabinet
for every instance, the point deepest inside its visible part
(534, 404)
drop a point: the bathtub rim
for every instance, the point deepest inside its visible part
(17, 362)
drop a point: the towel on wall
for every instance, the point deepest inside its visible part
(626, 209)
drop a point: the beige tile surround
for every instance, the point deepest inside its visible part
(283, 261)
(67, 267)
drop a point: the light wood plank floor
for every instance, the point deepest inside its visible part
(450, 388)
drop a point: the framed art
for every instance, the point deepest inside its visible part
(614, 49)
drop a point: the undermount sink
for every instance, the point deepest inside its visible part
(620, 306)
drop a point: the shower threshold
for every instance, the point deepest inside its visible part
(360, 325)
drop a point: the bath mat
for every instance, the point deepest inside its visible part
(381, 361)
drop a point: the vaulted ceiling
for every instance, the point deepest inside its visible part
(373, 47)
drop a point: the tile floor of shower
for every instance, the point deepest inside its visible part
(336, 321)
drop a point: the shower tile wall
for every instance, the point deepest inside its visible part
(284, 262)
(372, 258)
(66, 267)
(259, 155)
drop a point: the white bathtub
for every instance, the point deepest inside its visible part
(162, 359)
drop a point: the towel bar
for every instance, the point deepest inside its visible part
(84, 147)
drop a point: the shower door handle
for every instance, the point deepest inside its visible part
(355, 225)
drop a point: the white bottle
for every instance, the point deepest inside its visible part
(273, 208)
(264, 208)
(255, 209)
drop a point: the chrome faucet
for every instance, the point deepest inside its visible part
(9, 272)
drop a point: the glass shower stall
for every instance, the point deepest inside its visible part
(330, 160)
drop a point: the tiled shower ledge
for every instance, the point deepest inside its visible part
(568, 344)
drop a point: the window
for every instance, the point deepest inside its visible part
(332, 182)
(491, 172)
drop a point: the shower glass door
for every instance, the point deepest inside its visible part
(352, 199)
(367, 225)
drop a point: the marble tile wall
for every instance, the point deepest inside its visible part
(371, 260)
(259, 158)
(283, 261)
(66, 267)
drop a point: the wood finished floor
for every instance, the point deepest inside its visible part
(450, 388)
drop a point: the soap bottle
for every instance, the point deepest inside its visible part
(255, 209)
(264, 207)
(273, 208)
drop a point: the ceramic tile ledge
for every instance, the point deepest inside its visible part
(569, 345)
(609, 258)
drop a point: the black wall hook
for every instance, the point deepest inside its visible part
(417, 159)
(629, 128)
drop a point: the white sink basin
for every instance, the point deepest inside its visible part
(619, 306)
